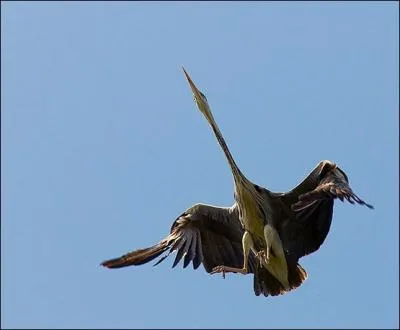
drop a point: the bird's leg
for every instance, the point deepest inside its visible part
(271, 237)
(276, 265)
(271, 241)
(247, 243)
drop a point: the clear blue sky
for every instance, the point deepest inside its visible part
(103, 147)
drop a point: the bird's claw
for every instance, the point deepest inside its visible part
(218, 269)
(227, 269)
(262, 257)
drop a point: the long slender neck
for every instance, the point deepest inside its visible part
(249, 201)
(237, 174)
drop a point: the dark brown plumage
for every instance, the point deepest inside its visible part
(213, 236)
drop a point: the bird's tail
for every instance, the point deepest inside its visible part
(297, 275)
(265, 283)
(137, 257)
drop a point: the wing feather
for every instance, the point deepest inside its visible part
(183, 251)
(311, 208)
(190, 251)
(333, 185)
(198, 255)
(203, 234)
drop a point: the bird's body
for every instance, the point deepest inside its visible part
(264, 232)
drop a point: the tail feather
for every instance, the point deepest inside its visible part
(297, 276)
(137, 257)
(265, 283)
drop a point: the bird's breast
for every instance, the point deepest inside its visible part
(252, 221)
(251, 213)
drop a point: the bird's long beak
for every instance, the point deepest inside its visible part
(193, 87)
(204, 108)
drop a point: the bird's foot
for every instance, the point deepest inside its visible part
(226, 269)
(262, 256)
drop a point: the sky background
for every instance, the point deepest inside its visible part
(103, 147)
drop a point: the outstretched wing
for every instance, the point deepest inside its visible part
(211, 236)
(312, 205)
(202, 234)
(334, 184)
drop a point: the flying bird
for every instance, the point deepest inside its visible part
(264, 233)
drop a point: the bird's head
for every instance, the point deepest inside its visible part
(199, 97)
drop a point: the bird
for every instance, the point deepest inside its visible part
(263, 233)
